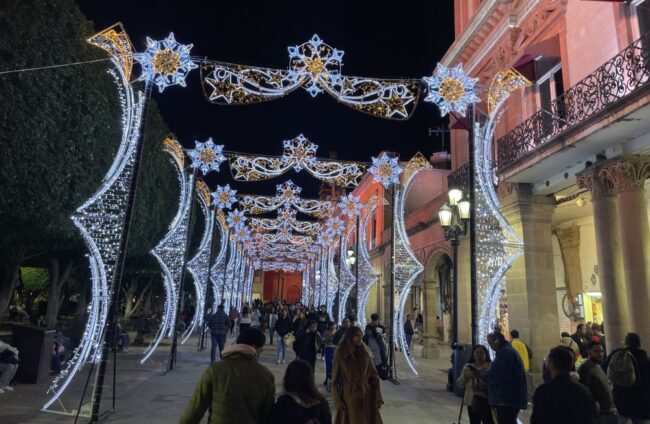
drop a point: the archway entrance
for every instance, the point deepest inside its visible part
(436, 308)
(282, 285)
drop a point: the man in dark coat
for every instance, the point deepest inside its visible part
(562, 400)
(307, 344)
(218, 324)
(633, 402)
(506, 381)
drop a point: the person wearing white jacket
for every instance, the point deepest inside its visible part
(8, 365)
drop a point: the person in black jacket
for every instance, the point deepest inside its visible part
(562, 400)
(345, 324)
(633, 403)
(282, 328)
(307, 344)
(301, 402)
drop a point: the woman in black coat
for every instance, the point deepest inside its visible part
(301, 402)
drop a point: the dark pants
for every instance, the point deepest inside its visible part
(232, 325)
(505, 415)
(329, 358)
(475, 417)
(217, 340)
(311, 359)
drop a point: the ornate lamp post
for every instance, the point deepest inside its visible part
(453, 219)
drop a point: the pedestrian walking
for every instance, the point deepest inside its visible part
(526, 355)
(301, 403)
(329, 348)
(562, 400)
(9, 361)
(244, 320)
(282, 328)
(237, 389)
(356, 389)
(629, 371)
(506, 381)
(378, 348)
(476, 390)
(218, 324)
(233, 315)
(273, 318)
(593, 377)
(409, 331)
(580, 337)
(307, 344)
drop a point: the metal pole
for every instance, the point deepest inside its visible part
(356, 270)
(472, 229)
(116, 283)
(391, 341)
(454, 324)
(338, 289)
(181, 285)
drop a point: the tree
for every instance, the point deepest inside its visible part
(59, 130)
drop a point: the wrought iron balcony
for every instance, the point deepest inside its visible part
(617, 80)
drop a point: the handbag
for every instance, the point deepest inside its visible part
(289, 338)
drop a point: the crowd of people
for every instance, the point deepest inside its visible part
(355, 362)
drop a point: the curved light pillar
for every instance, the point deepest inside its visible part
(333, 283)
(170, 252)
(199, 267)
(347, 277)
(101, 218)
(217, 269)
(407, 265)
(368, 277)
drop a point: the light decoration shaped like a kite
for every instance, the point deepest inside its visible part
(207, 156)
(451, 89)
(385, 170)
(165, 62)
(224, 197)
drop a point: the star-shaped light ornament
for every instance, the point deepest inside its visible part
(385, 170)
(236, 219)
(350, 205)
(242, 234)
(207, 156)
(165, 62)
(286, 192)
(299, 151)
(451, 89)
(317, 61)
(224, 197)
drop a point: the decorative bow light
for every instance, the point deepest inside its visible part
(207, 156)
(451, 89)
(350, 205)
(385, 170)
(224, 197)
(165, 62)
(236, 219)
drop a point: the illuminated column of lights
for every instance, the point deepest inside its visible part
(407, 266)
(347, 277)
(368, 277)
(249, 282)
(230, 270)
(333, 283)
(218, 268)
(497, 244)
(170, 252)
(306, 281)
(199, 265)
(101, 219)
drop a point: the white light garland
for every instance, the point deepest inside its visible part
(101, 218)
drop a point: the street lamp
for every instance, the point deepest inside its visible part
(453, 220)
(351, 260)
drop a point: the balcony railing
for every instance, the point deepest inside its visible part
(459, 178)
(614, 81)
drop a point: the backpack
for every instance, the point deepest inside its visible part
(622, 369)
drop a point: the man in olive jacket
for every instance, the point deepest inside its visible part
(237, 389)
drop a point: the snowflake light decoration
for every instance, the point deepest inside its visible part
(224, 197)
(335, 224)
(299, 151)
(286, 191)
(350, 205)
(236, 219)
(242, 234)
(165, 62)
(317, 60)
(385, 170)
(451, 89)
(207, 156)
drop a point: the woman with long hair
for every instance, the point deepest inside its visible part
(301, 402)
(476, 391)
(356, 389)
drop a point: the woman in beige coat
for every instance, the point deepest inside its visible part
(357, 396)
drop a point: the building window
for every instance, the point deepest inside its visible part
(373, 230)
(550, 87)
(643, 16)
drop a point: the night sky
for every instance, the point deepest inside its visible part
(385, 39)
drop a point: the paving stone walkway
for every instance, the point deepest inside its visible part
(145, 394)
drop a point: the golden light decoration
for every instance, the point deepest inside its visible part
(503, 83)
(115, 41)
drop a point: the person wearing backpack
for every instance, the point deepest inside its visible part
(628, 371)
(301, 403)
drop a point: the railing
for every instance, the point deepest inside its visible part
(612, 82)
(459, 178)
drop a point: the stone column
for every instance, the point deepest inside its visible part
(430, 336)
(530, 284)
(628, 175)
(610, 259)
